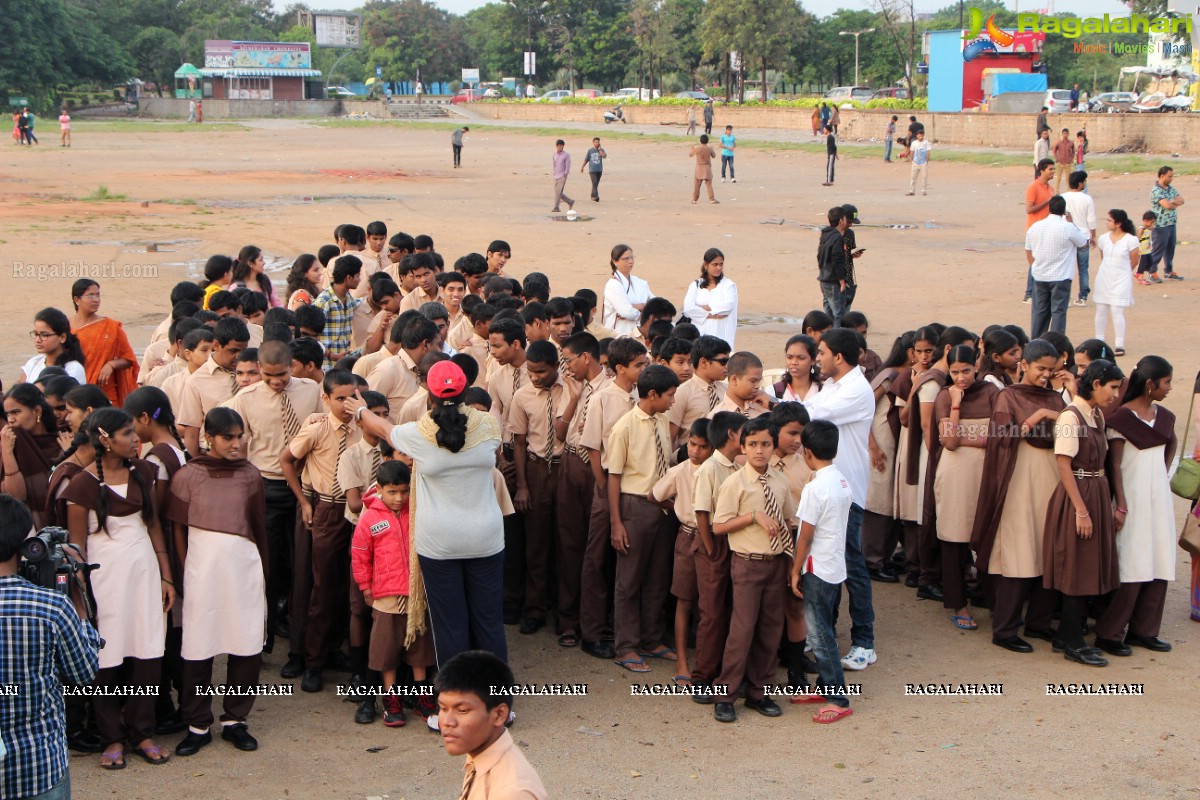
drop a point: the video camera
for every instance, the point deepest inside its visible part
(45, 562)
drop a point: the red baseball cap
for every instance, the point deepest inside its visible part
(446, 379)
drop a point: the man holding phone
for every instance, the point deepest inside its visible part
(853, 251)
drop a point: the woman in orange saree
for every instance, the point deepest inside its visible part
(109, 359)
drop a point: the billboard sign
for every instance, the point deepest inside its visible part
(470, 75)
(220, 54)
(337, 30)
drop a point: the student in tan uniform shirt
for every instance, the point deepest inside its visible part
(213, 383)
(415, 407)
(698, 397)
(537, 457)
(576, 483)
(480, 317)
(506, 342)
(399, 246)
(627, 359)
(744, 394)
(676, 355)
(711, 553)
(676, 486)
(177, 362)
(423, 270)
(395, 378)
(453, 288)
(272, 411)
(639, 448)
(323, 542)
(162, 349)
(197, 346)
(585, 307)
(385, 307)
(753, 507)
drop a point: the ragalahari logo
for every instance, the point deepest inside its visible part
(983, 38)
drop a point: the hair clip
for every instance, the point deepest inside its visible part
(154, 416)
(102, 432)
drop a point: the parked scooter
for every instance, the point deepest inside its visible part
(614, 115)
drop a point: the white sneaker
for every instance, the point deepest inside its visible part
(735, 180)
(722, 180)
(859, 658)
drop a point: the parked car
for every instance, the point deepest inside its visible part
(860, 94)
(698, 96)
(890, 93)
(1111, 102)
(590, 93)
(1158, 103)
(338, 91)
(554, 96)
(1057, 100)
(635, 94)
(467, 96)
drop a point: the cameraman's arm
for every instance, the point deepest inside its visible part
(77, 530)
(78, 654)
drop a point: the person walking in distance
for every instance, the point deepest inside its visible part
(456, 143)
(830, 155)
(1064, 154)
(1165, 200)
(889, 137)
(919, 152)
(704, 154)
(1041, 150)
(562, 170)
(728, 144)
(708, 118)
(691, 120)
(593, 162)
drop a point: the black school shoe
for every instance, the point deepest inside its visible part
(1045, 634)
(723, 712)
(1148, 642)
(529, 625)
(172, 723)
(883, 575)
(293, 668)
(84, 741)
(239, 737)
(930, 591)
(192, 743)
(365, 714)
(1088, 656)
(765, 706)
(911, 580)
(599, 649)
(1113, 647)
(313, 681)
(1013, 643)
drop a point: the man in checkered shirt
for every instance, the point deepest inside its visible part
(1050, 247)
(45, 644)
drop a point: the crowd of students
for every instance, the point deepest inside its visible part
(239, 497)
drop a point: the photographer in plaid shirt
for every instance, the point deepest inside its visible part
(45, 645)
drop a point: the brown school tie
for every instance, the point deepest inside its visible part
(516, 380)
(584, 455)
(291, 425)
(549, 425)
(343, 431)
(780, 542)
(468, 781)
(660, 467)
(713, 398)
(376, 460)
(233, 384)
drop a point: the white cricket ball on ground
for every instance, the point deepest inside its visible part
(572, 214)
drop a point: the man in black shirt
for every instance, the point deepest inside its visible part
(830, 155)
(831, 264)
(852, 252)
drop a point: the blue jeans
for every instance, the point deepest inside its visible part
(727, 160)
(1029, 282)
(466, 605)
(887, 149)
(833, 300)
(60, 790)
(1082, 259)
(1050, 301)
(1162, 248)
(858, 583)
(821, 601)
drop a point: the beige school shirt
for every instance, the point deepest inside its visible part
(364, 365)
(317, 443)
(632, 452)
(693, 401)
(532, 416)
(396, 379)
(356, 470)
(415, 407)
(372, 262)
(503, 382)
(576, 423)
(154, 358)
(750, 411)
(595, 328)
(460, 332)
(607, 406)
(204, 390)
(360, 324)
(159, 376)
(677, 484)
(172, 387)
(162, 331)
(477, 348)
(740, 494)
(795, 472)
(416, 299)
(262, 412)
(707, 482)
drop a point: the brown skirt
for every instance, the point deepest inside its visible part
(387, 643)
(1074, 566)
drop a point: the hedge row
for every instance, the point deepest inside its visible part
(802, 102)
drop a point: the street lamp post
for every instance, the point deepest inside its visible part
(855, 34)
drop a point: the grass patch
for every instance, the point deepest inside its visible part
(101, 194)
(177, 201)
(153, 126)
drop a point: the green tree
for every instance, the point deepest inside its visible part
(489, 32)
(413, 35)
(759, 31)
(156, 51)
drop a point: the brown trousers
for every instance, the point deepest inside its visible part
(696, 189)
(331, 534)
(643, 576)
(135, 722)
(197, 708)
(931, 558)
(542, 479)
(593, 593)
(911, 532)
(880, 535)
(712, 601)
(956, 560)
(1009, 596)
(576, 489)
(755, 626)
(1138, 605)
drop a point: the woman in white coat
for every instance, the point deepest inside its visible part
(712, 301)
(625, 294)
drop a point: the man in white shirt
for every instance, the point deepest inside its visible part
(847, 401)
(1050, 248)
(918, 152)
(1081, 210)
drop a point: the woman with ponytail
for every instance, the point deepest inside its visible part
(1141, 438)
(111, 518)
(457, 528)
(1088, 351)
(1112, 291)
(248, 274)
(625, 294)
(81, 401)
(55, 345)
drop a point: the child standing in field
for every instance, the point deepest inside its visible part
(1144, 233)
(64, 127)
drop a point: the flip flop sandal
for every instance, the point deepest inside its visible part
(568, 640)
(631, 663)
(154, 749)
(964, 622)
(666, 653)
(117, 759)
(682, 680)
(840, 714)
(807, 699)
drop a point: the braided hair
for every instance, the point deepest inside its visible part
(154, 401)
(105, 422)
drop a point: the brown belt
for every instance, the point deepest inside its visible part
(755, 556)
(328, 498)
(1085, 473)
(541, 460)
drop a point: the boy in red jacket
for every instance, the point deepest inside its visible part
(380, 558)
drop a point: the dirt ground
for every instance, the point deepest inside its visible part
(954, 256)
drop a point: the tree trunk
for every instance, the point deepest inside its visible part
(764, 79)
